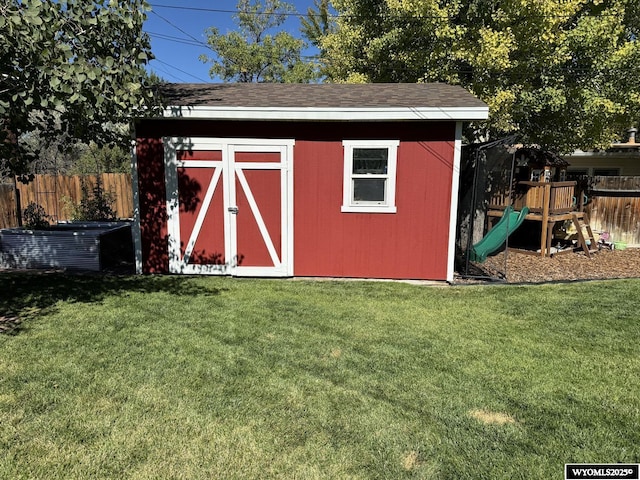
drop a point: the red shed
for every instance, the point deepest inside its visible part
(312, 180)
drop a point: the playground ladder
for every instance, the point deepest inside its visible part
(585, 234)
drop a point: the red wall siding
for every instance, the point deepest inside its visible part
(412, 243)
(153, 210)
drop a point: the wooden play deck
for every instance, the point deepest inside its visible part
(548, 203)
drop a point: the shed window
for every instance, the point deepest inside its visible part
(369, 176)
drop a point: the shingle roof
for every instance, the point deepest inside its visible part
(281, 95)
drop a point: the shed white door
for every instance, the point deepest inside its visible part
(229, 204)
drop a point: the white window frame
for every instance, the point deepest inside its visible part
(389, 204)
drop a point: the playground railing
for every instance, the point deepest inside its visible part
(559, 196)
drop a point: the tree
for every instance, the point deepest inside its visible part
(317, 23)
(252, 54)
(70, 68)
(96, 160)
(50, 154)
(63, 155)
(564, 73)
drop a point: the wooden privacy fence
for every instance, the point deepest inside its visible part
(614, 207)
(8, 206)
(57, 194)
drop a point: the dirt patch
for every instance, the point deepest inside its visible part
(492, 418)
(523, 268)
(336, 353)
(411, 461)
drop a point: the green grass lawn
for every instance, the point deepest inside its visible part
(167, 377)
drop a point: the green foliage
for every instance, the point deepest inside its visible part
(70, 66)
(35, 217)
(317, 23)
(562, 72)
(252, 54)
(64, 155)
(50, 154)
(95, 205)
(106, 159)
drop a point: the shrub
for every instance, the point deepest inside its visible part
(35, 217)
(96, 205)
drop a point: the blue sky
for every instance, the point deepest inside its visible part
(177, 30)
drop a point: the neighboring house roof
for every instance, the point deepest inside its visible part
(280, 101)
(617, 149)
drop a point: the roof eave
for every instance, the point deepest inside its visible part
(328, 114)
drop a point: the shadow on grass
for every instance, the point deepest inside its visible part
(26, 294)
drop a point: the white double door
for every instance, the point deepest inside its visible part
(230, 206)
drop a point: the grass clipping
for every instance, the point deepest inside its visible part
(492, 418)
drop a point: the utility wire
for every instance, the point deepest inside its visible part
(193, 41)
(184, 41)
(181, 71)
(343, 15)
(196, 40)
(215, 10)
(522, 73)
(168, 73)
(170, 38)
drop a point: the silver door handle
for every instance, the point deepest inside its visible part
(233, 210)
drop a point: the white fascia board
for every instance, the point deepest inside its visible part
(328, 114)
(581, 154)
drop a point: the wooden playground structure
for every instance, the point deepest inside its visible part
(549, 202)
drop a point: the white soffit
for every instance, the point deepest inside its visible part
(336, 114)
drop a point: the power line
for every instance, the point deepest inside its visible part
(184, 41)
(166, 72)
(196, 40)
(343, 15)
(182, 71)
(216, 10)
(170, 38)
(191, 41)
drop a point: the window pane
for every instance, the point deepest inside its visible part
(370, 160)
(606, 172)
(368, 189)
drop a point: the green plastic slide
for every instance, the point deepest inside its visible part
(496, 237)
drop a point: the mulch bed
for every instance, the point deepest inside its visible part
(523, 268)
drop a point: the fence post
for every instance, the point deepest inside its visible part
(18, 203)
